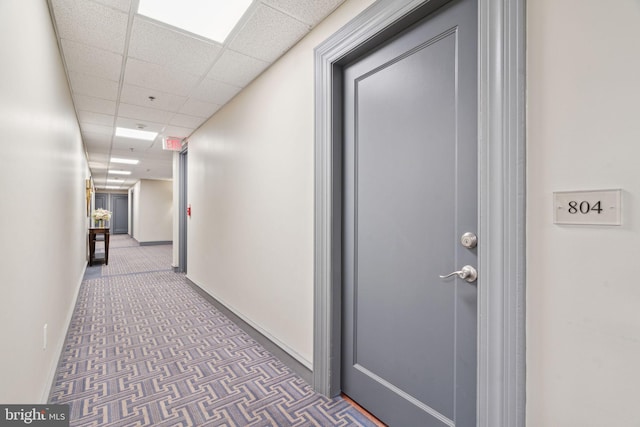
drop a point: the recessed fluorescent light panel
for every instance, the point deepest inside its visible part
(212, 19)
(145, 135)
(125, 161)
(111, 187)
(120, 172)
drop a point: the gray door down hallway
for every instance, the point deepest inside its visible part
(144, 348)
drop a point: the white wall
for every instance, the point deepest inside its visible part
(583, 307)
(43, 220)
(250, 239)
(153, 211)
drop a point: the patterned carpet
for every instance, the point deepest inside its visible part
(144, 349)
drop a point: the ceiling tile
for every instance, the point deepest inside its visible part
(186, 121)
(178, 131)
(268, 34)
(132, 147)
(88, 127)
(95, 164)
(95, 105)
(84, 84)
(117, 181)
(193, 107)
(99, 157)
(123, 5)
(143, 113)
(215, 92)
(236, 69)
(96, 146)
(126, 153)
(101, 141)
(162, 101)
(134, 123)
(95, 118)
(161, 45)
(91, 23)
(156, 77)
(309, 12)
(91, 60)
(156, 152)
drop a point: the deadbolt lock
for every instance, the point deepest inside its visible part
(469, 240)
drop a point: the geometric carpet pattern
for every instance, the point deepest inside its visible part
(144, 349)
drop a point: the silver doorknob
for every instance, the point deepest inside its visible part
(467, 273)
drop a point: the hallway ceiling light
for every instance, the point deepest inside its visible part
(121, 181)
(136, 134)
(112, 187)
(212, 19)
(125, 161)
(120, 172)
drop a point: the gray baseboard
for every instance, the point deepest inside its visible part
(162, 242)
(269, 345)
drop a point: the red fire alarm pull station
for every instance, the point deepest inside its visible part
(189, 211)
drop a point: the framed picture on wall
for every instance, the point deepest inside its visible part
(88, 185)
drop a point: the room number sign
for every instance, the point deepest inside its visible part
(587, 207)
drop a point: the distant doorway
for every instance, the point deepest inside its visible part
(119, 219)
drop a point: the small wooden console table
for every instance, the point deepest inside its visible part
(93, 232)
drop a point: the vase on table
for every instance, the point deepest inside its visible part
(100, 223)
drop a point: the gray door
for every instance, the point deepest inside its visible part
(410, 192)
(101, 201)
(119, 219)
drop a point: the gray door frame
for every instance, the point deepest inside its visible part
(501, 196)
(131, 201)
(182, 207)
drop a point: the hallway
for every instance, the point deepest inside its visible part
(143, 348)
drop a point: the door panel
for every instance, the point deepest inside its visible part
(120, 220)
(100, 201)
(409, 337)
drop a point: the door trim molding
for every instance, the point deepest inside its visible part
(182, 210)
(501, 189)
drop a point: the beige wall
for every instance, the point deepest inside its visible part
(43, 220)
(250, 239)
(153, 211)
(583, 307)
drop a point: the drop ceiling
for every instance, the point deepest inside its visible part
(127, 70)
